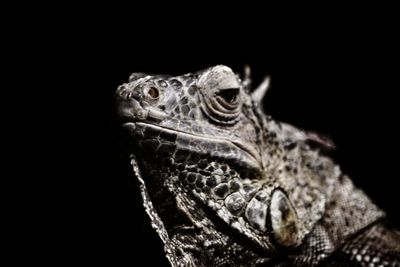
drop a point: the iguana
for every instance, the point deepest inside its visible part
(226, 185)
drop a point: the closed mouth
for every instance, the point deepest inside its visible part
(252, 153)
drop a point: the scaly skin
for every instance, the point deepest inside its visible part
(226, 185)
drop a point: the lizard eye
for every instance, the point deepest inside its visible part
(230, 96)
(223, 106)
(220, 92)
(153, 92)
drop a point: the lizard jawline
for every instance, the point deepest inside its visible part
(251, 153)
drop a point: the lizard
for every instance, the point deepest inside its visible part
(226, 185)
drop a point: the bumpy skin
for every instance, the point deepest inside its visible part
(226, 185)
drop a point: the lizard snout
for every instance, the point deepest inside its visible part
(134, 103)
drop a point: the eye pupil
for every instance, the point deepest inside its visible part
(230, 95)
(153, 92)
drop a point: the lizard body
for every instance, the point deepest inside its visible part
(226, 185)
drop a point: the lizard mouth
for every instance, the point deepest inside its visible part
(251, 154)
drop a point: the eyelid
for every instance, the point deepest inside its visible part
(222, 94)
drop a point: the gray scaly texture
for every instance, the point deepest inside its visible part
(226, 185)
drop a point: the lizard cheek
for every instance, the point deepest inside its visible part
(283, 220)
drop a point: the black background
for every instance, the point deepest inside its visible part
(340, 82)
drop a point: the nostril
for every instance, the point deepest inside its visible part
(121, 91)
(153, 92)
(129, 96)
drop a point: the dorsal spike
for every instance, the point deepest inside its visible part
(259, 93)
(247, 77)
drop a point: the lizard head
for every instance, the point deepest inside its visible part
(207, 114)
